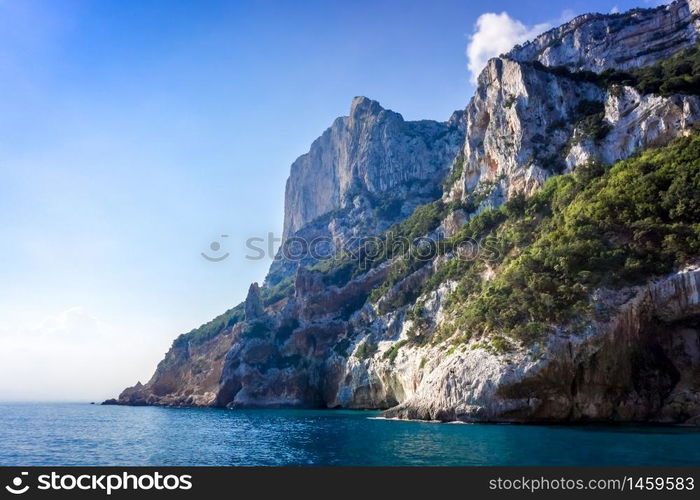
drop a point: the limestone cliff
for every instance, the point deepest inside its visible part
(628, 40)
(642, 365)
(372, 151)
(368, 171)
(527, 122)
(388, 333)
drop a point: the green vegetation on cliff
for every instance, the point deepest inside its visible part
(595, 228)
(213, 328)
(598, 227)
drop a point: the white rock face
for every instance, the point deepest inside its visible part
(366, 172)
(379, 382)
(525, 124)
(372, 150)
(637, 122)
(642, 121)
(629, 40)
(589, 376)
(517, 123)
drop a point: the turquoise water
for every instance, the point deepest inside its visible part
(80, 434)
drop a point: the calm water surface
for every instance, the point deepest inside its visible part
(81, 434)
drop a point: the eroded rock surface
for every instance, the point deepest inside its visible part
(643, 365)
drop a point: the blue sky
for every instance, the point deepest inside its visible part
(134, 133)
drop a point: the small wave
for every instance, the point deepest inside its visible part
(396, 419)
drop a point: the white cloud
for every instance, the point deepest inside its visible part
(74, 323)
(495, 34)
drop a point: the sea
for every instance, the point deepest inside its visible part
(58, 434)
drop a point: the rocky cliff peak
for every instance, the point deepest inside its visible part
(627, 40)
(372, 150)
(253, 304)
(362, 108)
(530, 118)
